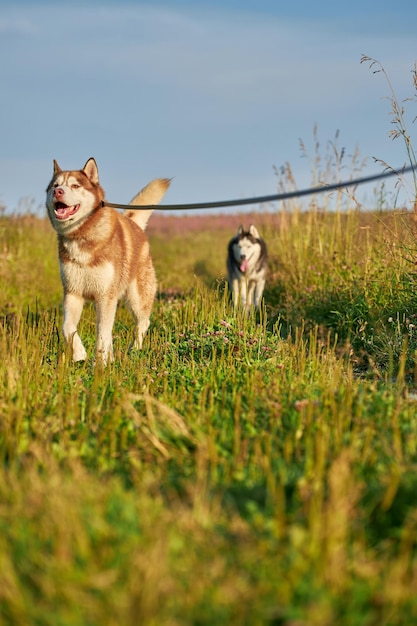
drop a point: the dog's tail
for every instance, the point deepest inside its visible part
(151, 194)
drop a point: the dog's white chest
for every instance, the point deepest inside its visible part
(87, 281)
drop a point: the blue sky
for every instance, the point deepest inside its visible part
(215, 94)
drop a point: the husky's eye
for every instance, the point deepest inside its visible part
(74, 186)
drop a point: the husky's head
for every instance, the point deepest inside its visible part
(246, 247)
(72, 196)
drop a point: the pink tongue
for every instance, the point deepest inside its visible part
(65, 211)
(244, 265)
(61, 213)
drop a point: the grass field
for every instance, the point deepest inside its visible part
(257, 471)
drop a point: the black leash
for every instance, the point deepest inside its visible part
(261, 199)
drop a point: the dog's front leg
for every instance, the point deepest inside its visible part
(259, 290)
(234, 287)
(251, 294)
(73, 307)
(243, 291)
(105, 312)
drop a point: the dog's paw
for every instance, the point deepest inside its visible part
(79, 354)
(104, 357)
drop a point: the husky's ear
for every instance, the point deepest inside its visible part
(240, 230)
(253, 231)
(57, 169)
(91, 171)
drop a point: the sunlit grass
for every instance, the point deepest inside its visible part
(238, 470)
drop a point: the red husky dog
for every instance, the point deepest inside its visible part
(103, 255)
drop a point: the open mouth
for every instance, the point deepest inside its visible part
(63, 211)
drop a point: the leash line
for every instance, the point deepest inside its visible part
(261, 199)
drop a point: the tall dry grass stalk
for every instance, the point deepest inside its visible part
(398, 120)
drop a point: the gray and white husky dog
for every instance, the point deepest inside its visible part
(246, 266)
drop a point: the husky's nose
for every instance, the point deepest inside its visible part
(58, 192)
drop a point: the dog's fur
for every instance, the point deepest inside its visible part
(103, 255)
(247, 266)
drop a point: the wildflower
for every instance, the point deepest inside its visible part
(301, 404)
